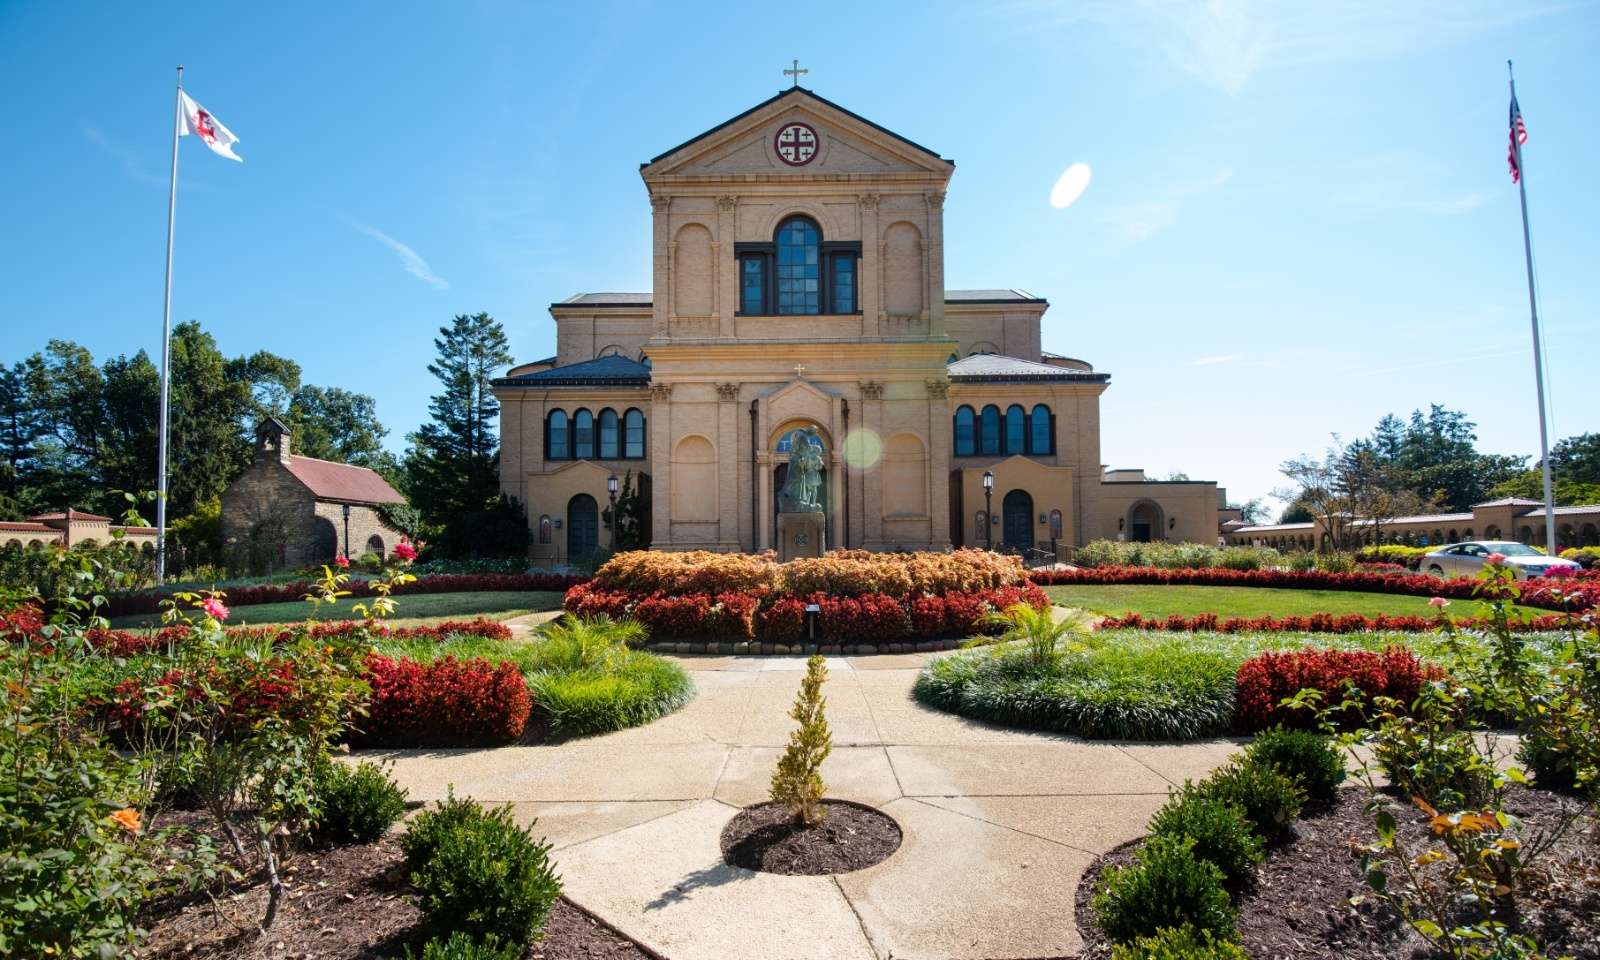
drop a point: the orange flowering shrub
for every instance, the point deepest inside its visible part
(845, 573)
(696, 571)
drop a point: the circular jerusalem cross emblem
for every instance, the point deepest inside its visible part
(796, 144)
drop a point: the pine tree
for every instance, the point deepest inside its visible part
(21, 427)
(452, 468)
(797, 783)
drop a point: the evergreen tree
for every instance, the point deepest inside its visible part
(331, 423)
(452, 468)
(21, 427)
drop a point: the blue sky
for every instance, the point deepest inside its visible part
(1298, 219)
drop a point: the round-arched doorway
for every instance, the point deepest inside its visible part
(583, 527)
(1016, 521)
(1146, 522)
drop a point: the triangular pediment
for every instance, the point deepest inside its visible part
(801, 134)
(596, 472)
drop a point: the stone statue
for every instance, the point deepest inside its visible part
(802, 489)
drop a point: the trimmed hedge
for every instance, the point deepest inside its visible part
(1264, 681)
(127, 643)
(858, 618)
(1166, 886)
(1315, 623)
(447, 702)
(150, 601)
(1570, 593)
(841, 573)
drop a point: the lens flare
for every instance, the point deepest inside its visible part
(863, 448)
(1073, 181)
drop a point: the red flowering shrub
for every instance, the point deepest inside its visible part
(1561, 594)
(127, 643)
(1315, 623)
(448, 702)
(784, 621)
(1264, 681)
(674, 616)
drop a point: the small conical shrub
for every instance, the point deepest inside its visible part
(797, 782)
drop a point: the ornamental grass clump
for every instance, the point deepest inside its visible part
(797, 783)
(1166, 886)
(1311, 758)
(587, 677)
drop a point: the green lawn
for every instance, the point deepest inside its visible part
(1155, 600)
(411, 610)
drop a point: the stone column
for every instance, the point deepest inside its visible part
(935, 264)
(939, 440)
(872, 476)
(763, 468)
(724, 267)
(871, 290)
(661, 465)
(728, 456)
(661, 274)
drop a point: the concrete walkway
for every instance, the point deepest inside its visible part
(999, 824)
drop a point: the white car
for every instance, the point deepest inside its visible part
(1466, 559)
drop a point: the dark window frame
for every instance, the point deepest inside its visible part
(644, 434)
(984, 439)
(829, 254)
(1006, 423)
(565, 453)
(577, 453)
(615, 426)
(955, 431)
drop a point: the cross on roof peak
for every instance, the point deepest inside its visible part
(796, 72)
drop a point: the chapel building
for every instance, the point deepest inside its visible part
(798, 282)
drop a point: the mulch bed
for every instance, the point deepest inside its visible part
(345, 903)
(766, 837)
(1309, 902)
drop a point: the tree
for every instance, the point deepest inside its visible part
(1296, 512)
(21, 427)
(1253, 510)
(452, 468)
(797, 782)
(1317, 489)
(331, 423)
(632, 514)
(1574, 473)
(1438, 459)
(1373, 490)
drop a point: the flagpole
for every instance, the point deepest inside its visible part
(166, 345)
(1538, 350)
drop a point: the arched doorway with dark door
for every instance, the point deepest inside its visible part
(583, 527)
(1016, 523)
(1146, 522)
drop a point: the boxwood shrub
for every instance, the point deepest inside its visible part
(356, 805)
(1180, 943)
(1166, 886)
(1309, 757)
(1221, 834)
(1269, 798)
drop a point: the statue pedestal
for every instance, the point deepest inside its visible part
(800, 535)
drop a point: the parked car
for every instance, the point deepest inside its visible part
(1466, 559)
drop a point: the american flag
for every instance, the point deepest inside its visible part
(1517, 137)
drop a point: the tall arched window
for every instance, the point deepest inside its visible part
(1041, 431)
(610, 443)
(1016, 428)
(989, 430)
(799, 267)
(583, 435)
(557, 436)
(966, 441)
(633, 435)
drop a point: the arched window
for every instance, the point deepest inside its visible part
(544, 528)
(633, 435)
(799, 266)
(583, 435)
(966, 440)
(1016, 428)
(609, 441)
(1041, 431)
(375, 544)
(953, 358)
(557, 436)
(989, 430)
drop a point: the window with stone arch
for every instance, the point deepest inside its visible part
(799, 267)
(583, 435)
(1016, 429)
(610, 439)
(557, 436)
(989, 430)
(966, 431)
(633, 434)
(1041, 431)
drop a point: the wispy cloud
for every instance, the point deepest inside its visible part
(131, 164)
(1225, 43)
(1404, 181)
(1213, 361)
(409, 258)
(1137, 222)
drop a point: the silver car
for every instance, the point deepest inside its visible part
(1466, 559)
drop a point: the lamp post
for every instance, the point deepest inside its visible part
(988, 510)
(611, 491)
(344, 508)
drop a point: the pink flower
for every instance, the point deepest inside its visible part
(1556, 573)
(214, 609)
(1438, 603)
(342, 560)
(1496, 559)
(405, 551)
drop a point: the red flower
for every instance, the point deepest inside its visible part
(214, 609)
(1496, 559)
(405, 551)
(342, 560)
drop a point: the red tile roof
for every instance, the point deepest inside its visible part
(71, 514)
(341, 481)
(28, 527)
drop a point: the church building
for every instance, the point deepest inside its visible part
(798, 296)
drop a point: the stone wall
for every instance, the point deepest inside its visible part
(271, 521)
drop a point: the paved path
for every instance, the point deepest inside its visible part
(999, 824)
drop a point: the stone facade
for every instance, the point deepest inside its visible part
(73, 528)
(1510, 518)
(286, 511)
(697, 383)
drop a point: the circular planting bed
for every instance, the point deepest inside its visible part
(768, 838)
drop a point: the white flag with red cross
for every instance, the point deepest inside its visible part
(199, 121)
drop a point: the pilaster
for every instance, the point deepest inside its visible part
(661, 465)
(935, 264)
(726, 301)
(939, 452)
(661, 257)
(871, 291)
